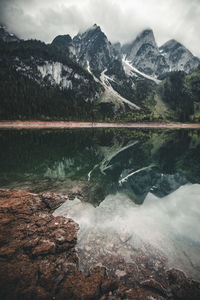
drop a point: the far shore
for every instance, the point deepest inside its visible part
(63, 124)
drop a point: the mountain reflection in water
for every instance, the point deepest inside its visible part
(132, 189)
(103, 161)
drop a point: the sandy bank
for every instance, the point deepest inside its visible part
(62, 124)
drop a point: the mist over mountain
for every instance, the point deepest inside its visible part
(7, 36)
(120, 20)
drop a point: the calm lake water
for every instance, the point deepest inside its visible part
(140, 185)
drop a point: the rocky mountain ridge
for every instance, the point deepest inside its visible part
(147, 57)
(89, 67)
(93, 48)
(124, 65)
(48, 67)
(178, 57)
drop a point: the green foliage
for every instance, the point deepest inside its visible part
(23, 98)
(145, 89)
(181, 92)
(193, 83)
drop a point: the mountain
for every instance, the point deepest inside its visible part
(6, 36)
(92, 47)
(93, 51)
(38, 80)
(87, 77)
(178, 57)
(144, 54)
(63, 42)
(46, 65)
(49, 65)
(118, 68)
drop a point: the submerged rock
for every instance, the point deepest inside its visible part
(52, 200)
(38, 259)
(37, 251)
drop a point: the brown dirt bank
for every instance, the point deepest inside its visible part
(38, 259)
(62, 124)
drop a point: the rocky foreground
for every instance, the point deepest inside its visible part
(38, 259)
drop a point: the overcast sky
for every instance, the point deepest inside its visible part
(121, 20)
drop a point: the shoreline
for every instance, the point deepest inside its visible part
(68, 125)
(43, 247)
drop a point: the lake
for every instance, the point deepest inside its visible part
(129, 189)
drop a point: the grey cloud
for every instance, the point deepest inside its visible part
(121, 20)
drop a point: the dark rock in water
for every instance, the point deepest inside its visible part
(181, 287)
(38, 259)
(90, 287)
(94, 193)
(52, 200)
(36, 248)
(37, 251)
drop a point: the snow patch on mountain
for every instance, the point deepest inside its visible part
(89, 70)
(130, 70)
(54, 71)
(110, 93)
(145, 55)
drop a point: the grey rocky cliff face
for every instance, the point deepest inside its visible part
(94, 48)
(122, 65)
(144, 54)
(56, 74)
(178, 57)
(93, 51)
(63, 42)
(90, 48)
(110, 70)
(145, 37)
